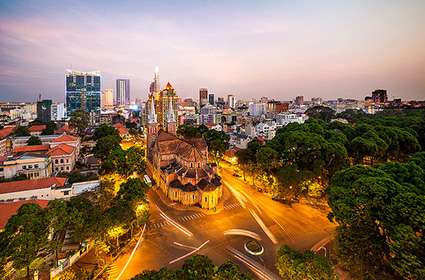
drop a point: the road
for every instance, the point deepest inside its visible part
(173, 235)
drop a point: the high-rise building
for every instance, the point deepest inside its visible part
(165, 96)
(380, 96)
(122, 96)
(231, 101)
(203, 97)
(107, 98)
(257, 109)
(299, 100)
(58, 111)
(155, 86)
(44, 110)
(211, 100)
(82, 91)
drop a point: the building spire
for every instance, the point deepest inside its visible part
(152, 114)
(171, 118)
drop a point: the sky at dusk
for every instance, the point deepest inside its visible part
(278, 49)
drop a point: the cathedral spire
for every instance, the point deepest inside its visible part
(171, 118)
(152, 114)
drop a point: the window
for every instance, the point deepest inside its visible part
(66, 193)
(61, 160)
(206, 199)
(61, 168)
(67, 160)
(29, 166)
(24, 167)
(67, 168)
(35, 165)
(56, 161)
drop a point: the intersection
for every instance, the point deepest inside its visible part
(174, 234)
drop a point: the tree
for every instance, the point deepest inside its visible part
(58, 217)
(198, 267)
(21, 131)
(50, 128)
(194, 268)
(292, 264)
(217, 142)
(267, 159)
(380, 216)
(26, 232)
(135, 159)
(162, 274)
(105, 130)
(79, 120)
(34, 140)
(188, 131)
(105, 145)
(229, 271)
(320, 112)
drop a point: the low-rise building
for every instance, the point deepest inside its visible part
(31, 166)
(37, 129)
(63, 157)
(4, 139)
(43, 188)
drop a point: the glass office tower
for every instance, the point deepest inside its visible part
(83, 91)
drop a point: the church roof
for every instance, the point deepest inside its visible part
(169, 86)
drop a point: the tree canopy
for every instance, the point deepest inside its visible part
(197, 267)
(34, 140)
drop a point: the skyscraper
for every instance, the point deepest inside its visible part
(155, 86)
(82, 91)
(299, 100)
(203, 97)
(122, 92)
(380, 96)
(107, 98)
(44, 110)
(231, 101)
(211, 99)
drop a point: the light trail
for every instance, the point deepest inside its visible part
(241, 199)
(190, 253)
(290, 237)
(263, 226)
(174, 223)
(256, 267)
(242, 232)
(132, 253)
(185, 246)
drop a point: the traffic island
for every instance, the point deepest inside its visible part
(254, 248)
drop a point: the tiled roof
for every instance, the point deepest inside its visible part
(65, 138)
(6, 131)
(34, 148)
(8, 209)
(60, 150)
(37, 127)
(26, 185)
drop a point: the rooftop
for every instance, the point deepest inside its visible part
(65, 138)
(37, 127)
(27, 185)
(8, 209)
(60, 150)
(34, 148)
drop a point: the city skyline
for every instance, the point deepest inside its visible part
(275, 49)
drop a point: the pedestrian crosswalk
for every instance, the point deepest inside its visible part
(232, 206)
(159, 224)
(112, 271)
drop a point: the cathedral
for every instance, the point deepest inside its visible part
(180, 167)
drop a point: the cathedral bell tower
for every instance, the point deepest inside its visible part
(152, 125)
(171, 118)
